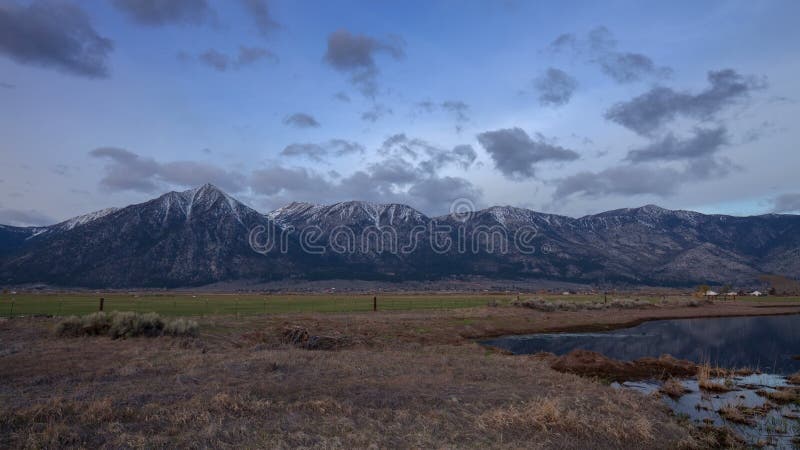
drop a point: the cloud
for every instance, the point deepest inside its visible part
(515, 154)
(430, 157)
(342, 97)
(599, 47)
(251, 55)
(375, 113)
(7, 85)
(128, 171)
(166, 12)
(24, 217)
(785, 203)
(259, 9)
(222, 61)
(355, 54)
(215, 59)
(704, 143)
(620, 180)
(320, 151)
(53, 34)
(301, 120)
(648, 112)
(564, 42)
(630, 67)
(555, 87)
(458, 108)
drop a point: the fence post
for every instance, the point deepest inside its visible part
(60, 306)
(11, 314)
(102, 300)
(374, 303)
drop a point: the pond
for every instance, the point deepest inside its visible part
(767, 343)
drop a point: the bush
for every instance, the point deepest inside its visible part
(124, 325)
(70, 326)
(96, 324)
(181, 327)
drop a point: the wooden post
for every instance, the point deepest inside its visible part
(605, 297)
(374, 303)
(102, 300)
(11, 314)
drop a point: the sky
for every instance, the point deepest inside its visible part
(566, 107)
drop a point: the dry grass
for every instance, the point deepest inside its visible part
(794, 378)
(734, 414)
(782, 396)
(706, 381)
(673, 388)
(222, 390)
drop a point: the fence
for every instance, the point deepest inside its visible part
(53, 305)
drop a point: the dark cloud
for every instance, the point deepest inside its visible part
(555, 87)
(342, 97)
(703, 143)
(430, 158)
(620, 180)
(600, 47)
(24, 217)
(377, 112)
(516, 155)
(407, 172)
(166, 12)
(564, 42)
(320, 151)
(631, 67)
(128, 171)
(215, 59)
(355, 54)
(252, 55)
(53, 34)
(222, 61)
(7, 86)
(785, 203)
(457, 108)
(301, 120)
(259, 9)
(426, 106)
(648, 112)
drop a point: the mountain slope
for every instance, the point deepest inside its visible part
(202, 236)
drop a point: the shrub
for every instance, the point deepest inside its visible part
(70, 326)
(124, 325)
(181, 327)
(96, 324)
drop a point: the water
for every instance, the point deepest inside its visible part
(768, 343)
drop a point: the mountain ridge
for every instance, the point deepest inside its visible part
(202, 235)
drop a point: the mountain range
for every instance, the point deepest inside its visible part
(203, 236)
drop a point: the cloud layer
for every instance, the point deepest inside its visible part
(53, 34)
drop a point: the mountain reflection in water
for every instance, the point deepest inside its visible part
(768, 343)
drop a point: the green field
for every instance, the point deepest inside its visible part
(182, 304)
(220, 304)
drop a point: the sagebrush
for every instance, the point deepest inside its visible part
(124, 325)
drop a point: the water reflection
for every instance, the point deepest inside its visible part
(767, 342)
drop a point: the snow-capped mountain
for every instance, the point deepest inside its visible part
(202, 236)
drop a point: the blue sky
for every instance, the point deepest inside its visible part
(565, 107)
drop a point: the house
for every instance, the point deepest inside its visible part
(709, 294)
(731, 295)
(756, 294)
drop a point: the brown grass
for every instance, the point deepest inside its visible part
(734, 414)
(794, 378)
(673, 388)
(705, 381)
(782, 396)
(410, 379)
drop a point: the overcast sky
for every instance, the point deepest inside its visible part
(564, 107)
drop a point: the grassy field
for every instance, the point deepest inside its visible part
(200, 304)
